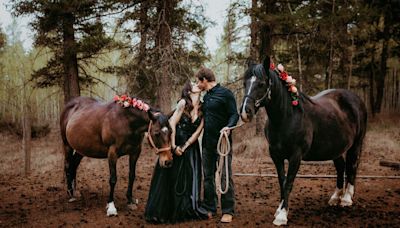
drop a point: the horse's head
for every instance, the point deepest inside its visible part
(257, 88)
(159, 135)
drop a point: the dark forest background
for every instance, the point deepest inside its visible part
(149, 48)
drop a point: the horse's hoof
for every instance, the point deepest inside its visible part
(111, 210)
(72, 199)
(132, 206)
(279, 222)
(346, 200)
(281, 218)
(333, 201)
(346, 203)
(335, 198)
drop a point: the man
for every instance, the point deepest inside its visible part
(220, 113)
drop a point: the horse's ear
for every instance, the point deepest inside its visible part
(153, 115)
(250, 62)
(266, 63)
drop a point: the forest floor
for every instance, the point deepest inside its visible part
(40, 199)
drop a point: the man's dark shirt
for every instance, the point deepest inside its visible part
(219, 110)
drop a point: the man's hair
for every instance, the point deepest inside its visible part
(205, 73)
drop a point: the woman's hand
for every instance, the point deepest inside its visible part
(179, 151)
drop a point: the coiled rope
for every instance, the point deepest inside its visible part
(224, 148)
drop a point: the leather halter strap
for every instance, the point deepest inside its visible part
(151, 141)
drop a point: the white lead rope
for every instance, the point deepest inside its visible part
(224, 148)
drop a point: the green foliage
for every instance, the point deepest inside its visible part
(142, 63)
(49, 22)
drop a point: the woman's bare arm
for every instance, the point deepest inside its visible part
(173, 121)
(194, 136)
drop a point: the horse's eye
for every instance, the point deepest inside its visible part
(260, 85)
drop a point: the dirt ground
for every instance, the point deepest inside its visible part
(40, 200)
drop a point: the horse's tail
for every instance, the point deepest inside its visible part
(65, 116)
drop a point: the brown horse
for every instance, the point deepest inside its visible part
(93, 129)
(328, 126)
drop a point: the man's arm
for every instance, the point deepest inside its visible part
(232, 110)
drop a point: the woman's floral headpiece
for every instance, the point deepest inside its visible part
(126, 101)
(290, 83)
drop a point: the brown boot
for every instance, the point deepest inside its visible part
(226, 218)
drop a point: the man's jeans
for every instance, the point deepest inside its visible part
(209, 159)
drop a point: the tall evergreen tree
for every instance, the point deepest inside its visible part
(73, 31)
(166, 44)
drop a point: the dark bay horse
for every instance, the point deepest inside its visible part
(111, 130)
(328, 126)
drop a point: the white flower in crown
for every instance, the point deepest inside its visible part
(126, 104)
(281, 68)
(289, 79)
(293, 81)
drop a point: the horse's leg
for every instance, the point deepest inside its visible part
(112, 163)
(352, 161)
(68, 164)
(294, 164)
(280, 169)
(132, 174)
(73, 166)
(339, 165)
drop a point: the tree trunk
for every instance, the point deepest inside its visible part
(265, 50)
(328, 80)
(253, 32)
(380, 80)
(71, 79)
(372, 87)
(351, 62)
(164, 46)
(298, 55)
(26, 133)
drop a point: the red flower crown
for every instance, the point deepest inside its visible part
(290, 82)
(126, 101)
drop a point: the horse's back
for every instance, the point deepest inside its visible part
(341, 100)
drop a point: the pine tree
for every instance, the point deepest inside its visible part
(73, 31)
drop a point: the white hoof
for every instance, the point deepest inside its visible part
(281, 218)
(72, 199)
(346, 201)
(279, 209)
(335, 198)
(347, 198)
(111, 210)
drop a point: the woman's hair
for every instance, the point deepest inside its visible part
(205, 73)
(187, 89)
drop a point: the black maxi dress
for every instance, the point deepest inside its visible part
(174, 194)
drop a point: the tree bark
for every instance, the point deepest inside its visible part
(380, 80)
(265, 50)
(328, 80)
(253, 31)
(351, 62)
(70, 61)
(372, 87)
(26, 133)
(164, 46)
(298, 55)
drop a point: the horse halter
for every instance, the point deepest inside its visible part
(257, 102)
(151, 141)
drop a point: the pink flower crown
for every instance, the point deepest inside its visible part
(126, 101)
(290, 82)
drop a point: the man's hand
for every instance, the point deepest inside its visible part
(226, 129)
